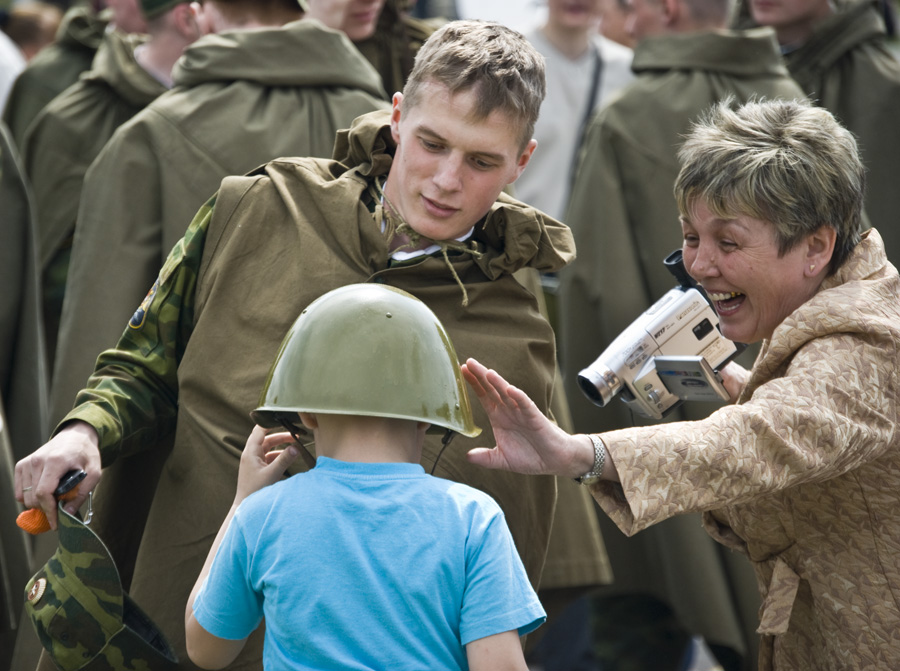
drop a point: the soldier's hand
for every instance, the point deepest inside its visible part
(38, 475)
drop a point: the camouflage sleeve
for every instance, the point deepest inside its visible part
(131, 398)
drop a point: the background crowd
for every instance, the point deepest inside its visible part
(122, 118)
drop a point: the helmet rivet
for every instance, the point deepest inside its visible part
(389, 315)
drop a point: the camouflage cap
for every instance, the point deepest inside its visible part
(152, 8)
(81, 614)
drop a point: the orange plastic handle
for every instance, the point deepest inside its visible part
(35, 521)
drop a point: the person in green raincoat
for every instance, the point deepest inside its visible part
(128, 73)
(59, 65)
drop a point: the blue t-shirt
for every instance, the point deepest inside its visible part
(367, 566)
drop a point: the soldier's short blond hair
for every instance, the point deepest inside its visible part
(499, 64)
(785, 162)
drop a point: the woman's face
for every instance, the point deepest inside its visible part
(737, 263)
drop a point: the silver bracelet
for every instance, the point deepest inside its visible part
(599, 460)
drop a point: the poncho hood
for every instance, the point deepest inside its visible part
(515, 235)
(115, 65)
(259, 55)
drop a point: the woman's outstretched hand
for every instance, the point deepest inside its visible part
(527, 442)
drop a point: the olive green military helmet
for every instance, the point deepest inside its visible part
(367, 349)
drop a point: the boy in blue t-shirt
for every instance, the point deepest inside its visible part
(391, 567)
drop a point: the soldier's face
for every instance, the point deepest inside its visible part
(127, 16)
(574, 13)
(793, 20)
(449, 167)
(646, 18)
(355, 18)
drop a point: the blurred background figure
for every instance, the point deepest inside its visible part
(397, 39)
(24, 376)
(839, 55)
(517, 14)
(128, 73)
(434, 9)
(583, 70)
(31, 25)
(12, 62)
(613, 19)
(59, 64)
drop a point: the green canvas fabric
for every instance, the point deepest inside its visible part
(55, 68)
(240, 99)
(847, 68)
(62, 143)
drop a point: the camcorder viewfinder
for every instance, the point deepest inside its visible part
(670, 354)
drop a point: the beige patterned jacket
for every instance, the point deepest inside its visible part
(802, 475)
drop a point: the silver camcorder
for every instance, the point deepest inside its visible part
(669, 354)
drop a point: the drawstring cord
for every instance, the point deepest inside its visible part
(388, 218)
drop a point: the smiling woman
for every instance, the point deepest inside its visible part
(801, 472)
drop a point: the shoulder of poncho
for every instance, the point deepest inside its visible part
(520, 236)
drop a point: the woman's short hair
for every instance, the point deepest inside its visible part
(505, 71)
(782, 161)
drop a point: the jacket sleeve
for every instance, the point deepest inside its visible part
(814, 423)
(131, 399)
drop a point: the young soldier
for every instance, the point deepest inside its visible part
(412, 198)
(413, 571)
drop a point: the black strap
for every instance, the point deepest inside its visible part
(596, 77)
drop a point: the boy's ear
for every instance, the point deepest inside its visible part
(309, 420)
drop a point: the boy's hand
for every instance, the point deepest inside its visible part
(261, 464)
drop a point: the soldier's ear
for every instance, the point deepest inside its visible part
(396, 112)
(672, 11)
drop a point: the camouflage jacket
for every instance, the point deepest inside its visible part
(195, 355)
(801, 475)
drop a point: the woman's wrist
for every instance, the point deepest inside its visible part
(583, 456)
